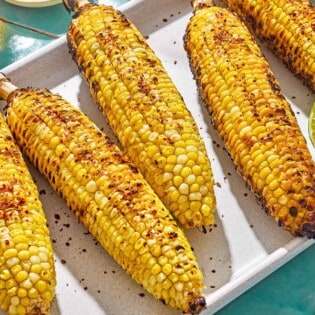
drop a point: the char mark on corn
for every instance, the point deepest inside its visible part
(108, 195)
(145, 111)
(253, 118)
(27, 271)
(287, 27)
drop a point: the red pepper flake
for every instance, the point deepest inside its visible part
(203, 229)
(141, 294)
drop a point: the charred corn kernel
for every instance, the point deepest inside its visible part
(226, 61)
(118, 206)
(143, 107)
(21, 211)
(287, 28)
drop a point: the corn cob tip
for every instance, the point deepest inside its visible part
(197, 305)
(75, 5)
(38, 308)
(200, 4)
(6, 87)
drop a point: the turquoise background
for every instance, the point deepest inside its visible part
(288, 291)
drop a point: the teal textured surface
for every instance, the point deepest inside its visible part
(288, 291)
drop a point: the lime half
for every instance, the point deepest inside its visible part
(311, 124)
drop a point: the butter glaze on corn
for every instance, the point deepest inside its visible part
(27, 271)
(253, 118)
(145, 111)
(108, 195)
(287, 27)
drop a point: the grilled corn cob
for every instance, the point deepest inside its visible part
(252, 117)
(287, 27)
(27, 271)
(145, 111)
(108, 195)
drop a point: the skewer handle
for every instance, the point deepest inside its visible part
(6, 87)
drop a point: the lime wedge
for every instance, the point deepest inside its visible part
(311, 124)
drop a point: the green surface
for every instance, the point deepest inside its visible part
(54, 19)
(19, 43)
(288, 291)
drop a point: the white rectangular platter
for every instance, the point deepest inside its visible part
(242, 248)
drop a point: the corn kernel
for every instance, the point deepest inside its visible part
(32, 293)
(91, 186)
(5, 274)
(196, 196)
(182, 159)
(184, 189)
(26, 284)
(12, 261)
(21, 276)
(22, 292)
(156, 269)
(23, 254)
(15, 301)
(167, 269)
(40, 286)
(20, 310)
(9, 253)
(161, 277)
